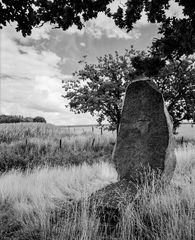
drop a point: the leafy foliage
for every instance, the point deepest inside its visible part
(177, 83)
(178, 39)
(39, 119)
(178, 34)
(33, 13)
(17, 119)
(99, 88)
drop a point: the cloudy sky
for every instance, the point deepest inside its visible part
(32, 68)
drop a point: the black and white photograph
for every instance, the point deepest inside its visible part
(97, 120)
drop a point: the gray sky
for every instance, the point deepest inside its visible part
(32, 68)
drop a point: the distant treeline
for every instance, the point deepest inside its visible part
(17, 119)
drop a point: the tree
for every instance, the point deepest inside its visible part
(39, 119)
(34, 13)
(177, 84)
(10, 119)
(99, 88)
(178, 34)
(18, 119)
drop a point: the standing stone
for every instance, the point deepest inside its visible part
(144, 140)
(145, 136)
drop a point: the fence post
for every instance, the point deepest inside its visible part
(182, 140)
(101, 130)
(92, 128)
(93, 141)
(60, 143)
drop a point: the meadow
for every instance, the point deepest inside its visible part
(46, 170)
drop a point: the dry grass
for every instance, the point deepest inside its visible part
(41, 202)
(29, 201)
(28, 145)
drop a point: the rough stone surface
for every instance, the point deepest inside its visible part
(109, 201)
(144, 140)
(115, 195)
(145, 134)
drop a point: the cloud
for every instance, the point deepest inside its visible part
(31, 83)
(38, 33)
(31, 80)
(82, 44)
(59, 118)
(175, 10)
(104, 26)
(114, 6)
(25, 61)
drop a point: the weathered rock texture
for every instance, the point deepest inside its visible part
(145, 136)
(109, 202)
(144, 142)
(115, 195)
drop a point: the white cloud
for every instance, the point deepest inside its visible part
(103, 25)
(25, 61)
(82, 44)
(38, 33)
(30, 80)
(114, 5)
(175, 10)
(59, 118)
(31, 83)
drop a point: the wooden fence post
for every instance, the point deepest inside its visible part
(60, 143)
(182, 140)
(101, 130)
(93, 141)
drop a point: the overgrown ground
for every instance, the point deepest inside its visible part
(42, 179)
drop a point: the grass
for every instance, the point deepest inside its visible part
(27, 145)
(41, 202)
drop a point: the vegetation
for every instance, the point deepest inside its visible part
(99, 88)
(178, 35)
(42, 202)
(39, 119)
(24, 146)
(17, 119)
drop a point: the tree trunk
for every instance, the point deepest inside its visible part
(117, 128)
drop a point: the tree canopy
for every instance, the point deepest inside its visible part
(99, 88)
(178, 35)
(17, 119)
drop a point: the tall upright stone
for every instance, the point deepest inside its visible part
(144, 140)
(145, 133)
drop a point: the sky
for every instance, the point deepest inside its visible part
(32, 69)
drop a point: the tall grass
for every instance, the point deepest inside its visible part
(42, 204)
(28, 145)
(31, 197)
(18, 131)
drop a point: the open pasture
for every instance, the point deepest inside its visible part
(187, 131)
(42, 181)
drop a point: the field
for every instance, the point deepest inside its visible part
(46, 170)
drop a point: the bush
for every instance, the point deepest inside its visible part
(39, 119)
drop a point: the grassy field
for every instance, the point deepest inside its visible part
(45, 170)
(27, 145)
